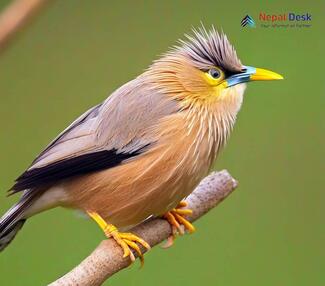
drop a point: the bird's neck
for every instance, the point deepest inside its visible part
(213, 121)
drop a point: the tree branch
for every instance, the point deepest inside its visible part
(107, 258)
(15, 16)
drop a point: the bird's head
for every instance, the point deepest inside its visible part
(205, 68)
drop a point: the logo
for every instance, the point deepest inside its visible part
(278, 21)
(284, 17)
(285, 20)
(248, 21)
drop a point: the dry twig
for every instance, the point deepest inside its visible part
(15, 16)
(107, 259)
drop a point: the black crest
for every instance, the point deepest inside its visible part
(210, 48)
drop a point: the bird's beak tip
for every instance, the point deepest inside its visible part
(263, 74)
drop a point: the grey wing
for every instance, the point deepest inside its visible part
(103, 137)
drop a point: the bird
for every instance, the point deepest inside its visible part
(140, 152)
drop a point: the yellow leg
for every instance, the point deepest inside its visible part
(127, 241)
(176, 218)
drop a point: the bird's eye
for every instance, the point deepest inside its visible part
(214, 73)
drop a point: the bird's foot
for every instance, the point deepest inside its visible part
(178, 222)
(127, 241)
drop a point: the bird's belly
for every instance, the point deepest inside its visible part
(129, 194)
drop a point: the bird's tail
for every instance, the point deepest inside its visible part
(13, 220)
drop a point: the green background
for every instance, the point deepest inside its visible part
(269, 232)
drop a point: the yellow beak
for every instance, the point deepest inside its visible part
(250, 74)
(262, 74)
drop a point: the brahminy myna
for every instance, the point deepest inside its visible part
(139, 153)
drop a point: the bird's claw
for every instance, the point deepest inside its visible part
(178, 222)
(129, 242)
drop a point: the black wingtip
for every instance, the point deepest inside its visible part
(84, 164)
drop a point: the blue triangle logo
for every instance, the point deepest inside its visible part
(248, 21)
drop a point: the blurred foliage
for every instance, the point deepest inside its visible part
(269, 232)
